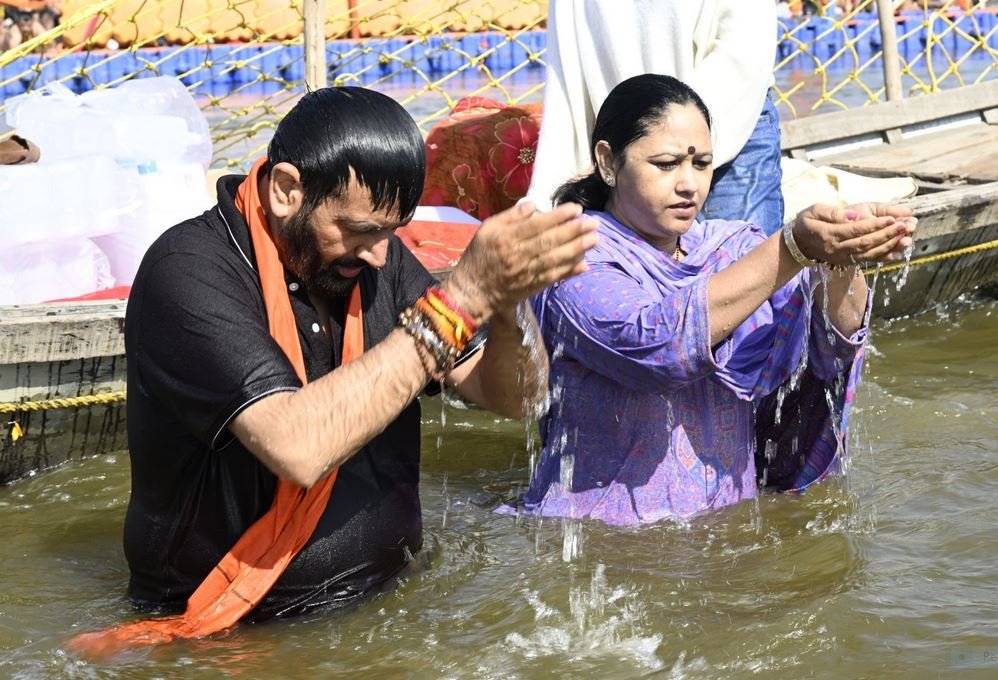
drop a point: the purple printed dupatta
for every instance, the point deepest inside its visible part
(761, 361)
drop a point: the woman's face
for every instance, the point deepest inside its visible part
(662, 180)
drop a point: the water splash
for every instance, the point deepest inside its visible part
(571, 529)
(446, 496)
(902, 277)
(602, 621)
(534, 404)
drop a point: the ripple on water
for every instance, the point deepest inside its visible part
(885, 574)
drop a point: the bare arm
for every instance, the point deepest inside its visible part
(507, 376)
(832, 235)
(301, 436)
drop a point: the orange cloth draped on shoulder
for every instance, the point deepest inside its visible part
(480, 158)
(248, 571)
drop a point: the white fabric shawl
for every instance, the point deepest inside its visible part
(724, 49)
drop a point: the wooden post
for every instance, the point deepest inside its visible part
(354, 25)
(889, 43)
(315, 45)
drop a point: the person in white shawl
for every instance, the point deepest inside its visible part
(723, 49)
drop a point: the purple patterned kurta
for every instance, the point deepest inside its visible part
(647, 420)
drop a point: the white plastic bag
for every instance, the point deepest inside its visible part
(161, 195)
(149, 119)
(39, 272)
(61, 200)
(119, 165)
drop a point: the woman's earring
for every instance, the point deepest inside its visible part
(609, 180)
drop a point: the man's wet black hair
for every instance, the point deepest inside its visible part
(335, 129)
(627, 114)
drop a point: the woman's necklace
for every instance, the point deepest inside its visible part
(678, 252)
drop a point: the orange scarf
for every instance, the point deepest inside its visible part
(248, 571)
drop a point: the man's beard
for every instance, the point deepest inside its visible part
(301, 250)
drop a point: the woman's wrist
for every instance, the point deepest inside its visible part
(791, 243)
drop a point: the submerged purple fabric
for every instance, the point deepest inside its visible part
(647, 420)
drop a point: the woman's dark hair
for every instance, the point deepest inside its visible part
(335, 129)
(629, 112)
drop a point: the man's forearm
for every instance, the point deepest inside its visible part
(301, 436)
(510, 374)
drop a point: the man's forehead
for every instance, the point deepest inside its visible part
(355, 206)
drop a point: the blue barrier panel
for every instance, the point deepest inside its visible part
(873, 37)
(191, 62)
(495, 60)
(249, 57)
(426, 54)
(450, 57)
(474, 45)
(67, 69)
(343, 58)
(824, 38)
(943, 33)
(393, 64)
(146, 58)
(537, 41)
(989, 27)
(798, 44)
(169, 63)
(517, 50)
(503, 55)
(983, 28)
(963, 36)
(97, 68)
(12, 70)
(911, 34)
(784, 48)
(124, 66)
(296, 63)
(370, 53)
(220, 59)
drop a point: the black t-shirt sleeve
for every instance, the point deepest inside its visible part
(200, 341)
(412, 278)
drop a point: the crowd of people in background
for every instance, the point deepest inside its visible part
(786, 9)
(25, 19)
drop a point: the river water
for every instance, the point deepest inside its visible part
(888, 572)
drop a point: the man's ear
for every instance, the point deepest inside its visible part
(285, 189)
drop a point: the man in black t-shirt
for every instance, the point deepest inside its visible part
(216, 412)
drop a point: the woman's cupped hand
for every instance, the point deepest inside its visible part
(855, 234)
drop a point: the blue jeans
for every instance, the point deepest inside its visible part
(748, 187)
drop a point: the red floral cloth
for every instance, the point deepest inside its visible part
(437, 245)
(480, 158)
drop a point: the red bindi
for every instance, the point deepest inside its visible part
(692, 150)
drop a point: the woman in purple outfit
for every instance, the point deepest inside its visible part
(695, 360)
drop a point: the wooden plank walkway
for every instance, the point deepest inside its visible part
(948, 142)
(949, 137)
(955, 155)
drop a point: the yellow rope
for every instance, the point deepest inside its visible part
(66, 402)
(116, 397)
(936, 258)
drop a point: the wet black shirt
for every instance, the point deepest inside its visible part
(199, 352)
